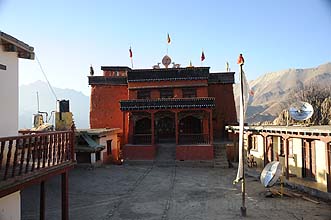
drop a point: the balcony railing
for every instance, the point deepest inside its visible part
(193, 139)
(142, 139)
(26, 155)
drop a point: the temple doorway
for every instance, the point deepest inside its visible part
(165, 129)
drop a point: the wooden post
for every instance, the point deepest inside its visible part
(211, 132)
(152, 128)
(65, 199)
(124, 130)
(265, 143)
(72, 142)
(286, 149)
(42, 201)
(176, 124)
(328, 165)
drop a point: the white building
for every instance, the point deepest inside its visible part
(31, 158)
(11, 49)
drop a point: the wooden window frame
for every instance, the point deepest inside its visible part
(189, 92)
(144, 94)
(166, 93)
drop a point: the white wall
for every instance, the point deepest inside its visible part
(320, 162)
(8, 94)
(9, 210)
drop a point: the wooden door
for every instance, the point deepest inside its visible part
(309, 159)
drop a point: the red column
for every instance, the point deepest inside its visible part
(131, 129)
(124, 129)
(152, 127)
(211, 132)
(176, 124)
(65, 198)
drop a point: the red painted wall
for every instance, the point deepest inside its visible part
(195, 152)
(225, 109)
(105, 107)
(202, 91)
(137, 152)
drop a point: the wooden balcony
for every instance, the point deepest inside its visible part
(33, 158)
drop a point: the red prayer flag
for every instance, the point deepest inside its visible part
(130, 51)
(241, 60)
(202, 56)
(168, 39)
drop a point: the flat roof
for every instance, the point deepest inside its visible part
(324, 130)
(99, 131)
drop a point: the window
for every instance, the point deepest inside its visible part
(144, 94)
(109, 147)
(166, 93)
(282, 149)
(189, 92)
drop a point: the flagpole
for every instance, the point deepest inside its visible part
(241, 130)
(131, 62)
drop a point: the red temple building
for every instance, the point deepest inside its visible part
(187, 107)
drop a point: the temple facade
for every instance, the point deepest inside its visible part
(186, 107)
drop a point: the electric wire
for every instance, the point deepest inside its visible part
(49, 85)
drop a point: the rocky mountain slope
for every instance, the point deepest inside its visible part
(271, 91)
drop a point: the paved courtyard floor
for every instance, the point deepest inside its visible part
(152, 192)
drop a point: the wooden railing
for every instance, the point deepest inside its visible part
(193, 139)
(142, 139)
(26, 154)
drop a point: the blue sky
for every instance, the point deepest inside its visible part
(68, 36)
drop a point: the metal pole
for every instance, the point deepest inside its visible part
(243, 186)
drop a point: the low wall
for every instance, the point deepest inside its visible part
(197, 152)
(139, 152)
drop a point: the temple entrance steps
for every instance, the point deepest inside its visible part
(165, 154)
(220, 159)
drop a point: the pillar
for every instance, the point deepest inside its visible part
(131, 129)
(93, 158)
(176, 124)
(211, 132)
(152, 128)
(265, 149)
(124, 130)
(286, 149)
(328, 165)
(64, 196)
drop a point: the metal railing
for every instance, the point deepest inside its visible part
(193, 139)
(31, 153)
(142, 139)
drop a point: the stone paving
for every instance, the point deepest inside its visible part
(164, 192)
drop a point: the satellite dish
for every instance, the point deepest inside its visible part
(271, 173)
(301, 111)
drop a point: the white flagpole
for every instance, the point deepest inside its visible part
(241, 142)
(243, 102)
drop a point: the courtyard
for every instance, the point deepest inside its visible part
(164, 192)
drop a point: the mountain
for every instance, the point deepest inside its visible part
(79, 103)
(272, 90)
